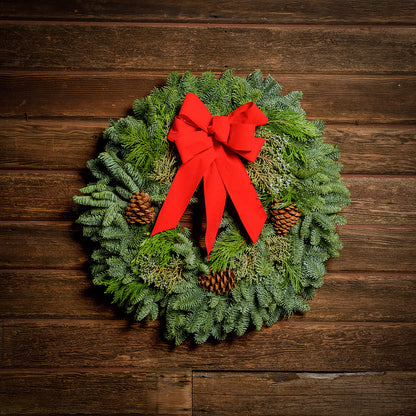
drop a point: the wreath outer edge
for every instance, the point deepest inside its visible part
(242, 285)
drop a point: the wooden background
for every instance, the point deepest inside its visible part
(66, 67)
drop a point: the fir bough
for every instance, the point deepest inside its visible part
(158, 276)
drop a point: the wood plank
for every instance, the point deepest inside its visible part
(344, 297)
(281, 49)
(41, 144)
(375, 394)
(191, 11)
(112, 392)
(44, 195)
(42, 245)
(381, 200)
(372, 248)
(57, 245)
(58, 94)
(371, 149)
(49, 144)
(53, 294)
(289, 345)
(336, 99)
(364, 297)
(47, 195)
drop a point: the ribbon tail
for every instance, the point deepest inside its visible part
(183, 187)
(215, 197)
(242, 192)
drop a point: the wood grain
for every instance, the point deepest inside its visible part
(312, 394)
(190, 11)
(372, 248)
(47, 195)
(65, 94)
(111, 392)
(375, 149)
(41, 245)
(344, 297)
(337, 99)
(53, 294)
(68, 144)
(282, 49)
(381, 200)
(39, 195)
(65, 68)
(57, 245)
(49, 144)
(286, 346)
(364, 297)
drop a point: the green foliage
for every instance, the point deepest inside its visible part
(229, 244)
(290, 123)
(159, 248)
(270, 174)
(143, 148)
(158, 276)
(164, 169)
(164, 277)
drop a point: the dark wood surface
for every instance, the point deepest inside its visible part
(373, 296)
(385, 50)
(366, 393)
(210, 11)
(351, 99)
(98, 392)
(39, 145)
(65, 69)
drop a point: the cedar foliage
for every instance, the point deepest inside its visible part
(158, 276)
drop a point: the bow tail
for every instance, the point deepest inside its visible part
(215, 197)
(242, 192)
(184, 184)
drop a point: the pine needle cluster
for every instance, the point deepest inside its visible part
(270, 174)
(158, 276)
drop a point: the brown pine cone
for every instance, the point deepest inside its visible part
(283, 219)
(220, 282)
(140, 209)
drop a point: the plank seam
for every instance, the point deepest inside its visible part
(91, 119)
(79, 172)
(154, 324)
(94, 122)
(53, 223)
(182, 69)
(70, 370)
(380, 175)
(329, 275)
(196, 25)
(301, 372)
(152, 73)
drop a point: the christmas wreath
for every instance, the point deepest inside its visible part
(269, 186)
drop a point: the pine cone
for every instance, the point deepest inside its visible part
(284, 219)
(140, 209)
(220, 282)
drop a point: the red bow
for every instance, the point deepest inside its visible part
(210, 148)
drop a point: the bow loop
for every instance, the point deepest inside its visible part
(210, 148)
(248, 113)
(195, 112)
